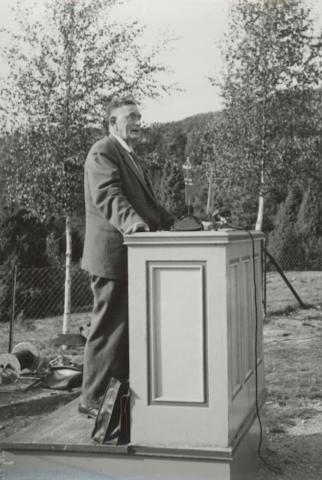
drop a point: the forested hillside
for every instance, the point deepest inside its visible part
(293, 214)
(293, 218)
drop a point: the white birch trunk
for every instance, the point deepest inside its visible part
(68, 278)
(260, 213)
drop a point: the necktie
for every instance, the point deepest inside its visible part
(137, 163)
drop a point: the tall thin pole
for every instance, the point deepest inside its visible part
(13, 305)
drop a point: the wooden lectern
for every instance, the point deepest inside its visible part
(194, 332)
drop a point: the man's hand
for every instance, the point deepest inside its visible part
(137, 227)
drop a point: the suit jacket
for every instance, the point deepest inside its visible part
(117, 195)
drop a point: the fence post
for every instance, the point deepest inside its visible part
(264, 277)
(13, 305)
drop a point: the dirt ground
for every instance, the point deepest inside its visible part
(20, 407)
(292, 415)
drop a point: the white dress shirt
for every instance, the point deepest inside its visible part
(130, 152)
(123, 143)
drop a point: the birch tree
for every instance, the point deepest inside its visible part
(64, 62)
(272, 64)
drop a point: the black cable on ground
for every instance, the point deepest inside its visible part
(270, 467)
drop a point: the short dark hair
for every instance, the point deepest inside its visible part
(118, 101)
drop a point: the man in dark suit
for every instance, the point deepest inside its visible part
(119, 200)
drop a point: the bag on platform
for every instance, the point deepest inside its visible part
(112, 424)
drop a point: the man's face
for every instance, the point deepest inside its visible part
(127, 122)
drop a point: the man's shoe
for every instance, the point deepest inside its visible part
(91, 412)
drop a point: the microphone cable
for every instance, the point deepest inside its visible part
(269, 466)
(272, 468)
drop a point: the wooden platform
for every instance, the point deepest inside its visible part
(59, 446)
(65, 426)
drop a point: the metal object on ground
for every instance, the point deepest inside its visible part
(27, 354)
(9, 368)
(63, 378)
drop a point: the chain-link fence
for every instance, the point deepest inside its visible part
(34, 293)
(297, 260)
(281, 300)
(289, 283)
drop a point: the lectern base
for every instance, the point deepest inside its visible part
(65, 462)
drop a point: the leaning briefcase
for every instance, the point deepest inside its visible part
(112, 424)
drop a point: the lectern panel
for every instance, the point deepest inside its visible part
(192, 335)
(235, 330)
(247, 295)
(176, 332)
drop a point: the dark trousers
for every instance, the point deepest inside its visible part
(107, 348)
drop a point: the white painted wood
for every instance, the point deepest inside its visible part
(242, 400)
(235, 329)
(191, 307)
(176, 332)
(104, 461)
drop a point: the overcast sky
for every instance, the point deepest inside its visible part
(200, 25)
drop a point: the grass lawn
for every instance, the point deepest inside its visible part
(280, 299)
(40, 333)
(293, 410)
